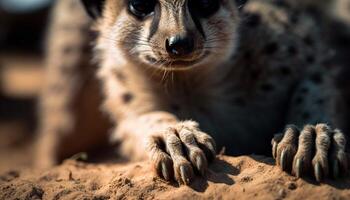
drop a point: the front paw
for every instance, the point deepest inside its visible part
(180, 150)
(318, 149)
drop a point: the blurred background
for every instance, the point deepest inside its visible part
(22, 29)
(23, 25)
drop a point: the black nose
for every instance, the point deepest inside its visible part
(179, 46)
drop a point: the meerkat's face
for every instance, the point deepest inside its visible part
(171, 34)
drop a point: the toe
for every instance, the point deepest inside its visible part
(286, 149)
(182, 168)
(206, 144)
(162, 162)
(194, 153)
(276, 139)
(303, 157)
(338, 158)
(320, 160)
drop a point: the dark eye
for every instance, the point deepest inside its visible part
(141, 8)
(204, 8)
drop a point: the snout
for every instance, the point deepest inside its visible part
(180, 46)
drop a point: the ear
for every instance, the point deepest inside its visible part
(240, 3)
(93, 7)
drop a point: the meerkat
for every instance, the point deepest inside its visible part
(180, 79)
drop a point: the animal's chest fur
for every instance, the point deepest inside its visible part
(234, 118)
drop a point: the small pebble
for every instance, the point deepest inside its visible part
(246, 179)
(127, 181)
(292, 186)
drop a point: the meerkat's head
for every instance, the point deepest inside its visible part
(167, 34)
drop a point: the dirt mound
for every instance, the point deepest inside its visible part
(228, 178)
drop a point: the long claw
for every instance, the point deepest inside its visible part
(318, 172)
(274, 149)
(165, 172)
(283, 160)
(184, 175)
(200, 165)
(336, 169)
(298, 168)
(211, 148)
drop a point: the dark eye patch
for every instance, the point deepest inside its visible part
(204, 8)
(141, 8)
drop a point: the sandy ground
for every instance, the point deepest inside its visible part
(252, 177)
(246, 177)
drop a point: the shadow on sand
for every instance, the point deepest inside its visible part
(219, 172)
(342, 183)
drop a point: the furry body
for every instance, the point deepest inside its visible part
(262, 71)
